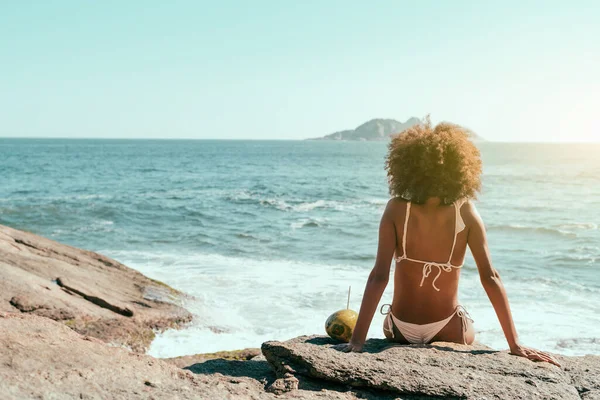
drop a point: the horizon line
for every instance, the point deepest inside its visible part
(263, 140)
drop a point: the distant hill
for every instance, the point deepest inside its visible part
(375, 129)
(378, 129)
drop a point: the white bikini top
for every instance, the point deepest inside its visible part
(459, 226)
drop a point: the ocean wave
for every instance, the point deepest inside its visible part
(379, 202)
(301, 205)
(541, 208)
(531, 229)
(149, 169)
(248, 236)
(355, 233)
(579, 226)
(357, 257)
(89, 196)
(246, 197)
(567, 259)
(103, 226)
(308, 223)
(586, 249)
(578, 342)
(546, 284)
(308, 206)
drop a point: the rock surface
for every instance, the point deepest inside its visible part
(236, 355)
(88, 292)
(441, 370)
(43, 359)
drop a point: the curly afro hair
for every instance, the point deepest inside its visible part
(424, 162)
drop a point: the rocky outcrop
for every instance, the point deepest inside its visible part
(40, 358)
(235, 355)
(441, 370)
(43, 359)
(86, 291)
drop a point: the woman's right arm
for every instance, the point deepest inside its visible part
(490, 279)
(378, 280)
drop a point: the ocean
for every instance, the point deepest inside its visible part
(268, 235)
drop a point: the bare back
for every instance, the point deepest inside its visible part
(430, 236)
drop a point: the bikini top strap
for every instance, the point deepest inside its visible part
(405, 228)
(458, 222)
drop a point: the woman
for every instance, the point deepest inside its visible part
(433, 174)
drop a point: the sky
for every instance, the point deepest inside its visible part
(510, 70)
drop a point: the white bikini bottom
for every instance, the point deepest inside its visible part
(421, 334)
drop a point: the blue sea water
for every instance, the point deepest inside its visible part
(268, 235)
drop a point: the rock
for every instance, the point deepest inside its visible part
(283, 385)
(88, 292)
(240, 355)
(585, 374)
(122, 310)
(29, 305)
(42, 358)
(591, 395)
(440, 370)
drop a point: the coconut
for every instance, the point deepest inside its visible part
(340, 324)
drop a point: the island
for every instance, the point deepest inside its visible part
(380, 129)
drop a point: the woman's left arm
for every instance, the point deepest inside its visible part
(377, 281)
(490, 279)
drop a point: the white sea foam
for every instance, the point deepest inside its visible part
(244, 302)
(249, 300)
(303, 205)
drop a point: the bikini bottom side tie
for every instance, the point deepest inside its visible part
(421, 333)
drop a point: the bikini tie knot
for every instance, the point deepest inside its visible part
(463, 315)
(427, 271)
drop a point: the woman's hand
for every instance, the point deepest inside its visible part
(349, 347)
(533, 355)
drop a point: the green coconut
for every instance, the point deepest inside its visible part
(340, 324)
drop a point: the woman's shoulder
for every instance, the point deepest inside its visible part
(396, 204)
(469, 212)
(395, 207)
